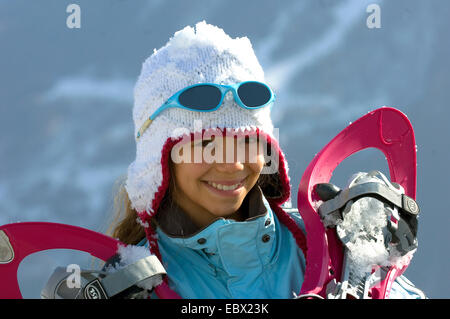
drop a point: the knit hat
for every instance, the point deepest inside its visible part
(203, 54)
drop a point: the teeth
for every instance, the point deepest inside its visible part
(224, 187)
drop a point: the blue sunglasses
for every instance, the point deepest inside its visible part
(208, 97)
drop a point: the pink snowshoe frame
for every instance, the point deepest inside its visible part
(386, 129)
(27, 238)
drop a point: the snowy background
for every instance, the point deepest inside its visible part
(66, 131)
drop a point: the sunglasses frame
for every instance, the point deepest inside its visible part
(173, 101)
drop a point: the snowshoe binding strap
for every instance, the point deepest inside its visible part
(402, 201)
(128, 282)
(402, 225)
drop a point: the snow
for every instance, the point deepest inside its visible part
(131, 254)
(362, 230)
(364, 227)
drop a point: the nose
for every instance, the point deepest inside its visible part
(230, 168)
(232, 159)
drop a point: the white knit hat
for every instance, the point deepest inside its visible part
(203, 54)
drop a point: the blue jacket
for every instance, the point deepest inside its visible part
(256, 258)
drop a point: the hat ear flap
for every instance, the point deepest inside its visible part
(271, 185)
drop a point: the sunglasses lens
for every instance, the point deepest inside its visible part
(201, 97)
(254, 94)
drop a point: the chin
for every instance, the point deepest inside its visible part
(221, 212)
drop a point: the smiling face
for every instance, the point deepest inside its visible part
(216, 185)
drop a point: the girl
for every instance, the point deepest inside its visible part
(218, 222)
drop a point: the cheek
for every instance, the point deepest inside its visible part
(188, 174)
(257, 164)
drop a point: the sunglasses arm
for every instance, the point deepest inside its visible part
(166, 105)
(149, 121)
